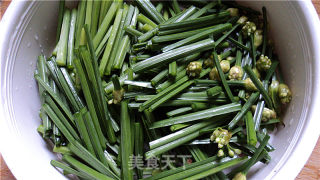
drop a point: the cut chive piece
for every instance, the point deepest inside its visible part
(222, 77)
(143, 19)
(105, 24)
(177, 135)
(148, 7)
(148, 35)
(56, 98)
(214, 91)
(195, 23)
(69, 169)
(105, 5)
(214, 31)
(106, 63)
(85, 169)
(252, 99)
(222, 38)
(62, 46)
(60, 19)
(125, 145)
(58, 122)
(71, 38)
(138, 133)
(173, 69)
(170, 56)
(80, 21)
(238, 44)
(103, 43)
(89, 99)
(176, 6)
(83, 131)
(86, 156)
(202, 10)
(179, 111)
(218, 167)
(132, 31)
(186, 14)
(164, 37)
(89, 11)
(204, 114)
(146, 28)
(92, 69)
(164, 174)
(95, 17)
(259, 86)
(251, 133)
(177, 127)
(181, 73)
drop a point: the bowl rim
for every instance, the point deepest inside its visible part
(303, 147)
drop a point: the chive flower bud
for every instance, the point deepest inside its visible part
(274, 95)
(237, 151)
(230, 153)
(194, 69)
(264, 63)
(214, 74)
(258, 38)
(242, 20)
(208, 63)
(239, 176)
(236, 73)
(118, 91)
(233, 11)
(249, 85)
(267, 113)
(118, 96)
(220, 153)
(248, 28)
(285, 94)
(221, 137)
(225, 65)
(229, 58)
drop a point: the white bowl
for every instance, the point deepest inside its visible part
(28, 29)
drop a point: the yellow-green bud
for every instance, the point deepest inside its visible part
(229, 58)
(225, 65)
(231, 153)
(248, 28)
(264, 63)
(267, 113)
(208, 63)
(285, 94)
(194, 69)
(117, 96)
(236, 73)
(220, 153)
(233, 11)
(242, 20)
(239, 176)
(237, 151)
(214, 74)
(249, 85)
(258, 38)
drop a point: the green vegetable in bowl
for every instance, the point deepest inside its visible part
(155, 90)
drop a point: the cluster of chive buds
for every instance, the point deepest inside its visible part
(222, 138)
(194, 69)
(264, 63)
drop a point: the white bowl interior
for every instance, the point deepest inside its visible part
(32, 32)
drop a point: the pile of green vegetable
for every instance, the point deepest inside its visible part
(130, 83)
